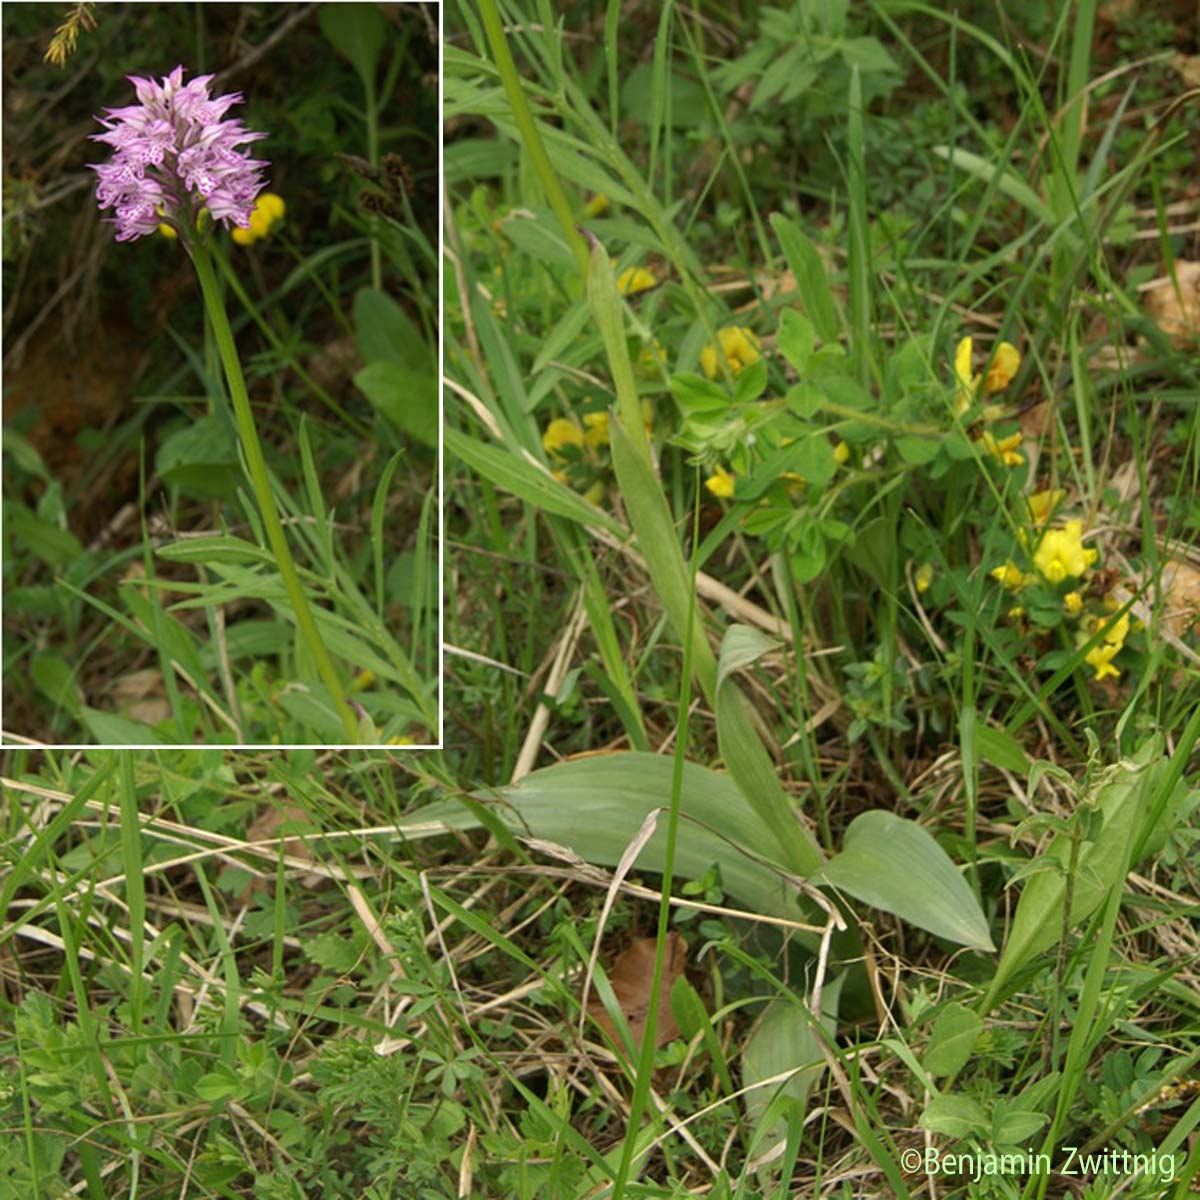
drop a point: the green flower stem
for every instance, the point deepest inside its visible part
(261, 484)
(256, 315)
(529, 134)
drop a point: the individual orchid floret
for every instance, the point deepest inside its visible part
(175, 154)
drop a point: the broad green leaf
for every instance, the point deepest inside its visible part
(814, 459)
(385, 334)
(523, 479)
(741, 646)
(1016, 1127)
(111, 730)
(692, 1017)
(785, 1040)
(956, 1116)
(201, 458)
(808, 551)
(595, 806)
(805, 400)
(222, 1083)
(916, 451)
(955, 1033)
(811, 280)
(53, 545)
(357, 32)
(408, 398)
(56, 680)
(1038, 922)
(1001, 749)
(25, 454)
(752, 769)
(750, 383)
(869, 55)
(894, 864)
(796, 338)
(697, 395)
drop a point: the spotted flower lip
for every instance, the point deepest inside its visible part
(175, 153)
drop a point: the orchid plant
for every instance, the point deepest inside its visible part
(179, 162)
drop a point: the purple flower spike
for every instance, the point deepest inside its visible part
(175, 154)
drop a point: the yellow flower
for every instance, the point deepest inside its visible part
(1101, 658)
(923, 577)
(596, 426)
(269, 209)
(1016, 613)
(596, 205)
(1041, 504)
(1073, 603)
(559, 434)
(635, 279)
(841, 452)
(739, 346)
(1060, 553)
(720, 483)
(1009, 575)
(1004, 450)
(967, 383)
(1116, 634)
(168, 231)
(1006, 358)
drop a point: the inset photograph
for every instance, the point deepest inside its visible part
(220, 416)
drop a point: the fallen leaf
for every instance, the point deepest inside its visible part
(266, 826)
(1188, 68)
(1177, 313)
(334, 363)
(139, 695)
(632, 977)
(269, 821)
(1181, 596)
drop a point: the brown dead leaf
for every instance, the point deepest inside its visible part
(1181, 596)
(333, 362)
(1188, 68)
(139, 695)
(1037, 420)
(632, 977)
(269, 821)
(265, 826)
(1177, 313)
